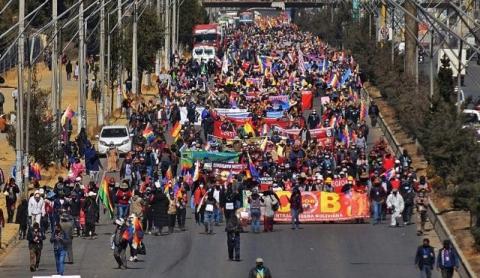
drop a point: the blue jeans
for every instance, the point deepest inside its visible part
(377, 212)
(60, 260)
(426, 271)
(122, 211)
(255, 215)
(217, 215)
(150, 171)
(209, 218)
(295, 218)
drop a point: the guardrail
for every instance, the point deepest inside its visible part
(439, 225)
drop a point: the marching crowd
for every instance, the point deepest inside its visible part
(281, 103)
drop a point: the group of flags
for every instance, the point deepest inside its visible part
(67, 115)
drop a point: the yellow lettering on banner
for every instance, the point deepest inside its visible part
(329, 202)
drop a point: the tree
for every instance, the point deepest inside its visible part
(42, 137)
(149, 38)
(191, 14)
(445, 79)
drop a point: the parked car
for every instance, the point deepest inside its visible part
(114, 136)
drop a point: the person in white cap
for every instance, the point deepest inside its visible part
(260, 271)
(36, 207)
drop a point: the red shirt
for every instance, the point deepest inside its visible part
(388, 163)
(123, 197)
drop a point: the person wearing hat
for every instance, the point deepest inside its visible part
(259, 271)
(123, 196)
(425, 258)
(119, 243)
(396, 204)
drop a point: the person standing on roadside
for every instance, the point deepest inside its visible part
(425, 259)
(447, 260)
(10, 191)
(35, 239)
(69, 69)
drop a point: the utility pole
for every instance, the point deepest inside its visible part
(109, 61)
(411, 42)
(54, 92)
(19, 108)
(174, 26)
(167, 36)
(159, 53)
(81, 69)
(178, 25)
(29, 97)
(392, 19)
(134, 51)
(431, 67)
(459, 76)
(120, 58)
(101, 114)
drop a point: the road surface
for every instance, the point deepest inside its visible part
(317, 250)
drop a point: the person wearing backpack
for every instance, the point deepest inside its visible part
(255, 202)
(271, 204)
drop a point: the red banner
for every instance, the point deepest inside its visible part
(307, 100)
(224, 134)
(325, 206)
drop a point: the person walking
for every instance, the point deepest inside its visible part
(2, 101)
(22, 218)
(66, 222)
(182, 202)
(396, 204)
(123, 196)
(35, 239)
(90, 208)
(271, 204)
(159, 209)
(36, 207)
(209, 203)
(2, 226)
(68, 70)
(10, 191)
(76, 72)
(447, 260)
(233, 229)
(259, 271)
(119, 243)
(421, 203)
(198, 197)
(255, 202)
(295, 207)
(425, 259)
(377, 197)
(58, 241)
(172, 212)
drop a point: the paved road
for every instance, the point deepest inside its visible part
(318, 250)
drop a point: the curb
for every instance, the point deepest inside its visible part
(439, 225)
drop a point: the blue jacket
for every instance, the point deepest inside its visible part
(447, 258)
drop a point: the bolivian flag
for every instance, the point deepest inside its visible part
(176, 130)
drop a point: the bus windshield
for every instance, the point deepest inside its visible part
(205, 38)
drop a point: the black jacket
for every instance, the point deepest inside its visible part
(266, 273)
(425, 256)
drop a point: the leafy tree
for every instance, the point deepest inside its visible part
(42, 137)
(191, 14)
(445, 80)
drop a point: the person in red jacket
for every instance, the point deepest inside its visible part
(123, 197)
(197, 201)
(388, 162)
